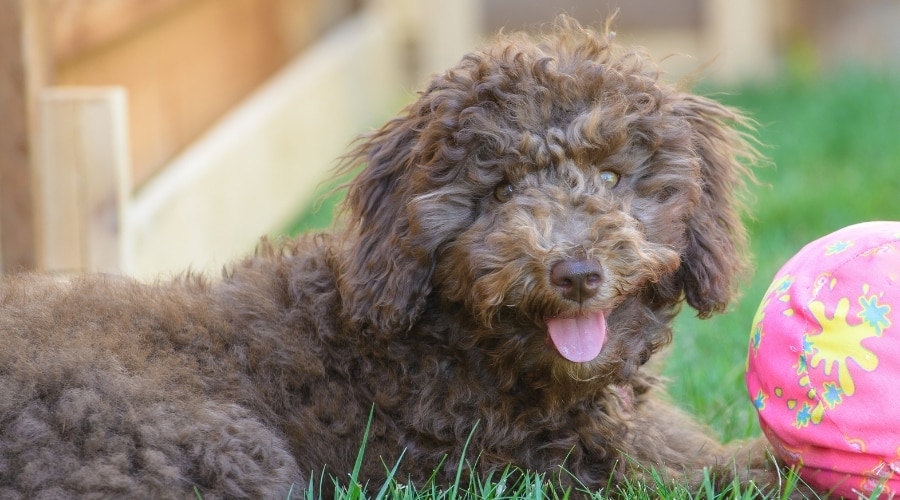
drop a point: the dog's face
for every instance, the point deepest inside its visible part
(552, 252)
(557, 195)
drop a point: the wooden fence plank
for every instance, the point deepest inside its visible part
(260, 164)
(23, 68)
(187, 68)
(79, 26)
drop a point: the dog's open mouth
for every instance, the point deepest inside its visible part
(578, 339)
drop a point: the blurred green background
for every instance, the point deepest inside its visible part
(834, 148)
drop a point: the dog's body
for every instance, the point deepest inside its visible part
(516, 248)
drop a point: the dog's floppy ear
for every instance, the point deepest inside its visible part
(385, 280)
(716, 255)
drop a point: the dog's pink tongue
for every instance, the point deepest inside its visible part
(578, 339)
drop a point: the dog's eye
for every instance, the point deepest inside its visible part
(504, 192)
(609, 178)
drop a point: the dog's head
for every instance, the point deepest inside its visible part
(551, 185)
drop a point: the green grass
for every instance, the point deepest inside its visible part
(834, 148)
(835, 152)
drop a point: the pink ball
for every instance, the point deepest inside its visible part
(823, 368)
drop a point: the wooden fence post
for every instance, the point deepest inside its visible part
(742, 33)
(24, 66)
(82, 179)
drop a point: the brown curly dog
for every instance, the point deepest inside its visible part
(514, 252)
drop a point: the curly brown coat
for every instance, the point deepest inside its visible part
(542, 200)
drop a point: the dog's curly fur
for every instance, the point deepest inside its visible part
(430, 307)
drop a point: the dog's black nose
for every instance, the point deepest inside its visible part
(578, 280)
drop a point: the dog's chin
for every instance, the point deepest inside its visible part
(565, 372)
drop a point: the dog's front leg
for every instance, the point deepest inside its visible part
(669, 442)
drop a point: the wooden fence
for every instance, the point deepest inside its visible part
(147, 136)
